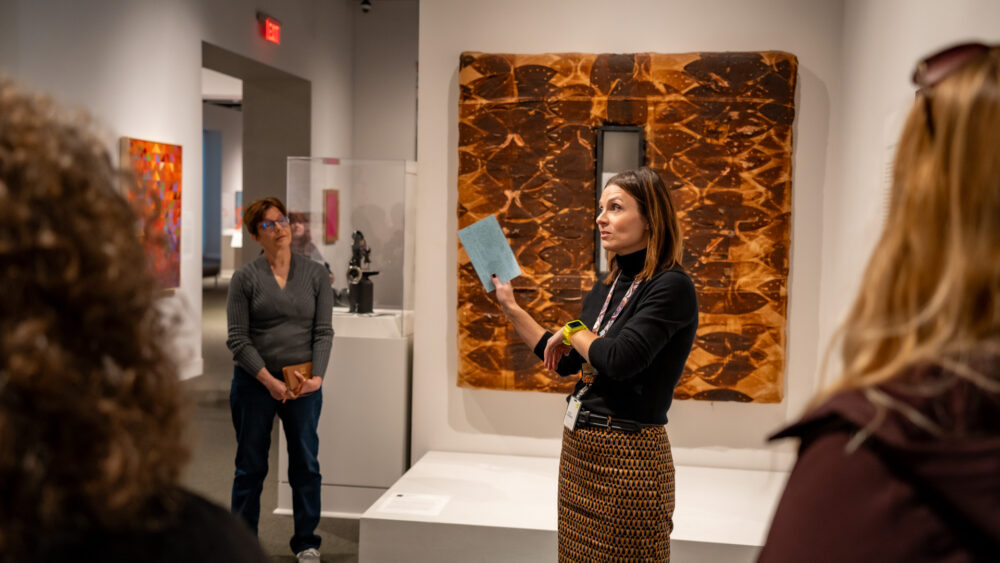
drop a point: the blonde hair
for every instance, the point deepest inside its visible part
(929, 293)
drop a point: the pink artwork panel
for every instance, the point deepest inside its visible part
(331, 215)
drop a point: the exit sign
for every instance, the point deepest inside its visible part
(270, 28)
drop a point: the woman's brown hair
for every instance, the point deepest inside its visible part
(255, 212)
(929, 294)
(90, 422)
(665, 245)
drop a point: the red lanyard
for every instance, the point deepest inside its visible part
(588, 370)
(611, 321)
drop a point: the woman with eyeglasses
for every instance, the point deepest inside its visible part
(900, 459)
(279, 310)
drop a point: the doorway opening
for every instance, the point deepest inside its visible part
(254, 117)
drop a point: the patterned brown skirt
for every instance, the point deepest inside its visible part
(616, 495)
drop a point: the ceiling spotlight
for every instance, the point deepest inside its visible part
(366, 6)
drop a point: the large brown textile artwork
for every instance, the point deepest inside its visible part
(718, 129)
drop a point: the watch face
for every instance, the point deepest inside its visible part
(575, 324)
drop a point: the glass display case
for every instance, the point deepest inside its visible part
(345, 211)
(356, 217)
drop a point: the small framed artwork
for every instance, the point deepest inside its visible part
(238, 208)
(331, 215)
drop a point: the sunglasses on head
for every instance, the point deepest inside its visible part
(935, 68)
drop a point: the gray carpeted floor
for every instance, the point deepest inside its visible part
(213, 444)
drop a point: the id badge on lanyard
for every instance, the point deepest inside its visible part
(572, 412)
(589, 373)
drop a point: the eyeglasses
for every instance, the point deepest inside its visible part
(935, 68)
(271, 225)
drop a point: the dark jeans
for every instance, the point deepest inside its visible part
(253, 411)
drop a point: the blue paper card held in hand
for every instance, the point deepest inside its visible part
(489, 251)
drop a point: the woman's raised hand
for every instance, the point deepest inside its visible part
(555, 349)
(504, 293)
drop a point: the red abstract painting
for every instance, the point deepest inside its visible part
(156, 198)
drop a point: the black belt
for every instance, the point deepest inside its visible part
(596, 420)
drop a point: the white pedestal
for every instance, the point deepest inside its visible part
(492, 508)
(489, 508)
(364, 424)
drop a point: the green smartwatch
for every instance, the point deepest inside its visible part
(570, 328)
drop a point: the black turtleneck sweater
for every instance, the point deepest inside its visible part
(640, 359)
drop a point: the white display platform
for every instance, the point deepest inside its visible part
(494, 508)
(364, 424)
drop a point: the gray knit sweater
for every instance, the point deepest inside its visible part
(273, 327)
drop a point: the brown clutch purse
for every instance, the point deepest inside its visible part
(292, 382)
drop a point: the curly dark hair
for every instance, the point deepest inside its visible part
(90, 421)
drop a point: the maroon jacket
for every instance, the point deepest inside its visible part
(904, 494)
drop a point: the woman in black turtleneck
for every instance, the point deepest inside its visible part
(616, 475)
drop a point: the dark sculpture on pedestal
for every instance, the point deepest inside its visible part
(361, 292)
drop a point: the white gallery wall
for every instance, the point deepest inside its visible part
(446, 417)
(384, 86)
(136, 66)
(385, 80)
